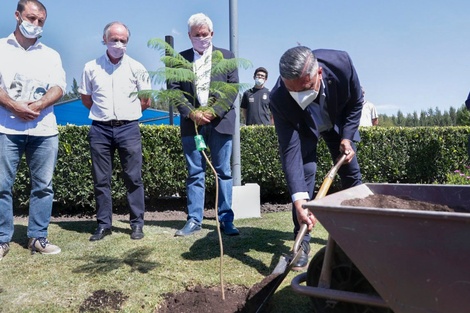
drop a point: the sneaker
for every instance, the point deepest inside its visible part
(43, 246)
(4, 248)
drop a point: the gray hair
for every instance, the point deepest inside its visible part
(199, 19)
(296, 62)
(108, 26)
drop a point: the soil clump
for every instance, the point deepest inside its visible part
(102, 300)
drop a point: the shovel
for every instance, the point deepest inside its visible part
(260, 293)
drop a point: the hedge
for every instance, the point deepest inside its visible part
(394, 155)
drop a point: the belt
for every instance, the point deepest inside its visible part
(113, 123)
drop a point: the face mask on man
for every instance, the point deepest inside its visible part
(116, 49)
(304, 98)
(200, 44)
(259, 81)
(30, 30)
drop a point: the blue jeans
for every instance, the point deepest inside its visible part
(220, 146)
(41, 158)
(104, 141)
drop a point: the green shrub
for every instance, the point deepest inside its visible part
(459, 177)
(424, 155)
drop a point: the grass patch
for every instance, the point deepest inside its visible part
(141, 271)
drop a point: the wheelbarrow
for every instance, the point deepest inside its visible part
(391, 260)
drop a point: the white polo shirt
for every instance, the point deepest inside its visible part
(111, 87)
(27, 75)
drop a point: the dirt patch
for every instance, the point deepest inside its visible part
(162, 210)
(394, 202)
(201, 299)
(103, 301)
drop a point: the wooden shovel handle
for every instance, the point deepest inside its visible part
(325, 186)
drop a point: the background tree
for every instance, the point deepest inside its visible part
(428, 118)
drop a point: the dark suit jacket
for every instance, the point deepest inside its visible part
(297, 132)
(224, 123)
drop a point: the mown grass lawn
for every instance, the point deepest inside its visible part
(146, 269)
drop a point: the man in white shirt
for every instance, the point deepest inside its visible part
(369, 116)
(108, 88)
(27, 124)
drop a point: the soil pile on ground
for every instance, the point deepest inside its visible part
(394, 202)
(207, 300)
(102, 300)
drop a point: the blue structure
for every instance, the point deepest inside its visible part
(74, 112)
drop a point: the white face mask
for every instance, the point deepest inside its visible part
(200, 44)
(304, 98)
(116, 49)
(259, 82)
(30, 30)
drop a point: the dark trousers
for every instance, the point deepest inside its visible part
(350, 174)
(104, 141)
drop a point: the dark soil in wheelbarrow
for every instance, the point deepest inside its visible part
(394, 202)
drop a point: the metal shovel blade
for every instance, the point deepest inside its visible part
(259, 295)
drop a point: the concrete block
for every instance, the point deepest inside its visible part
(246, 201)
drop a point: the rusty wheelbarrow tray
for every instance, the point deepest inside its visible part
(411, 261)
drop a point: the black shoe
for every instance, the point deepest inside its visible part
(190, 228)
(229, 229)
(302, 262)
(100, 233)
(137, 232)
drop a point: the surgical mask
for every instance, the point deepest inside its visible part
(304, 98)
(201, 43)
(30, 30)
(116, 49)
(259, 81)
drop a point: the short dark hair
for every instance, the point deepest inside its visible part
(22, 3)
(261, 69)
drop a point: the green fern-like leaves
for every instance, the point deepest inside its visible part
(178, 69)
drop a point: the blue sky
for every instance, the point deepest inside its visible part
(409, 55)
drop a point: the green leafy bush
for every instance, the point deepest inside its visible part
(423, 155)
(459, 177)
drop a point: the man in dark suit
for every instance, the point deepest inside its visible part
(217, 129)
(317, 96)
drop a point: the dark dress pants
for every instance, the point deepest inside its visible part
(350, 174)
(104, 141)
